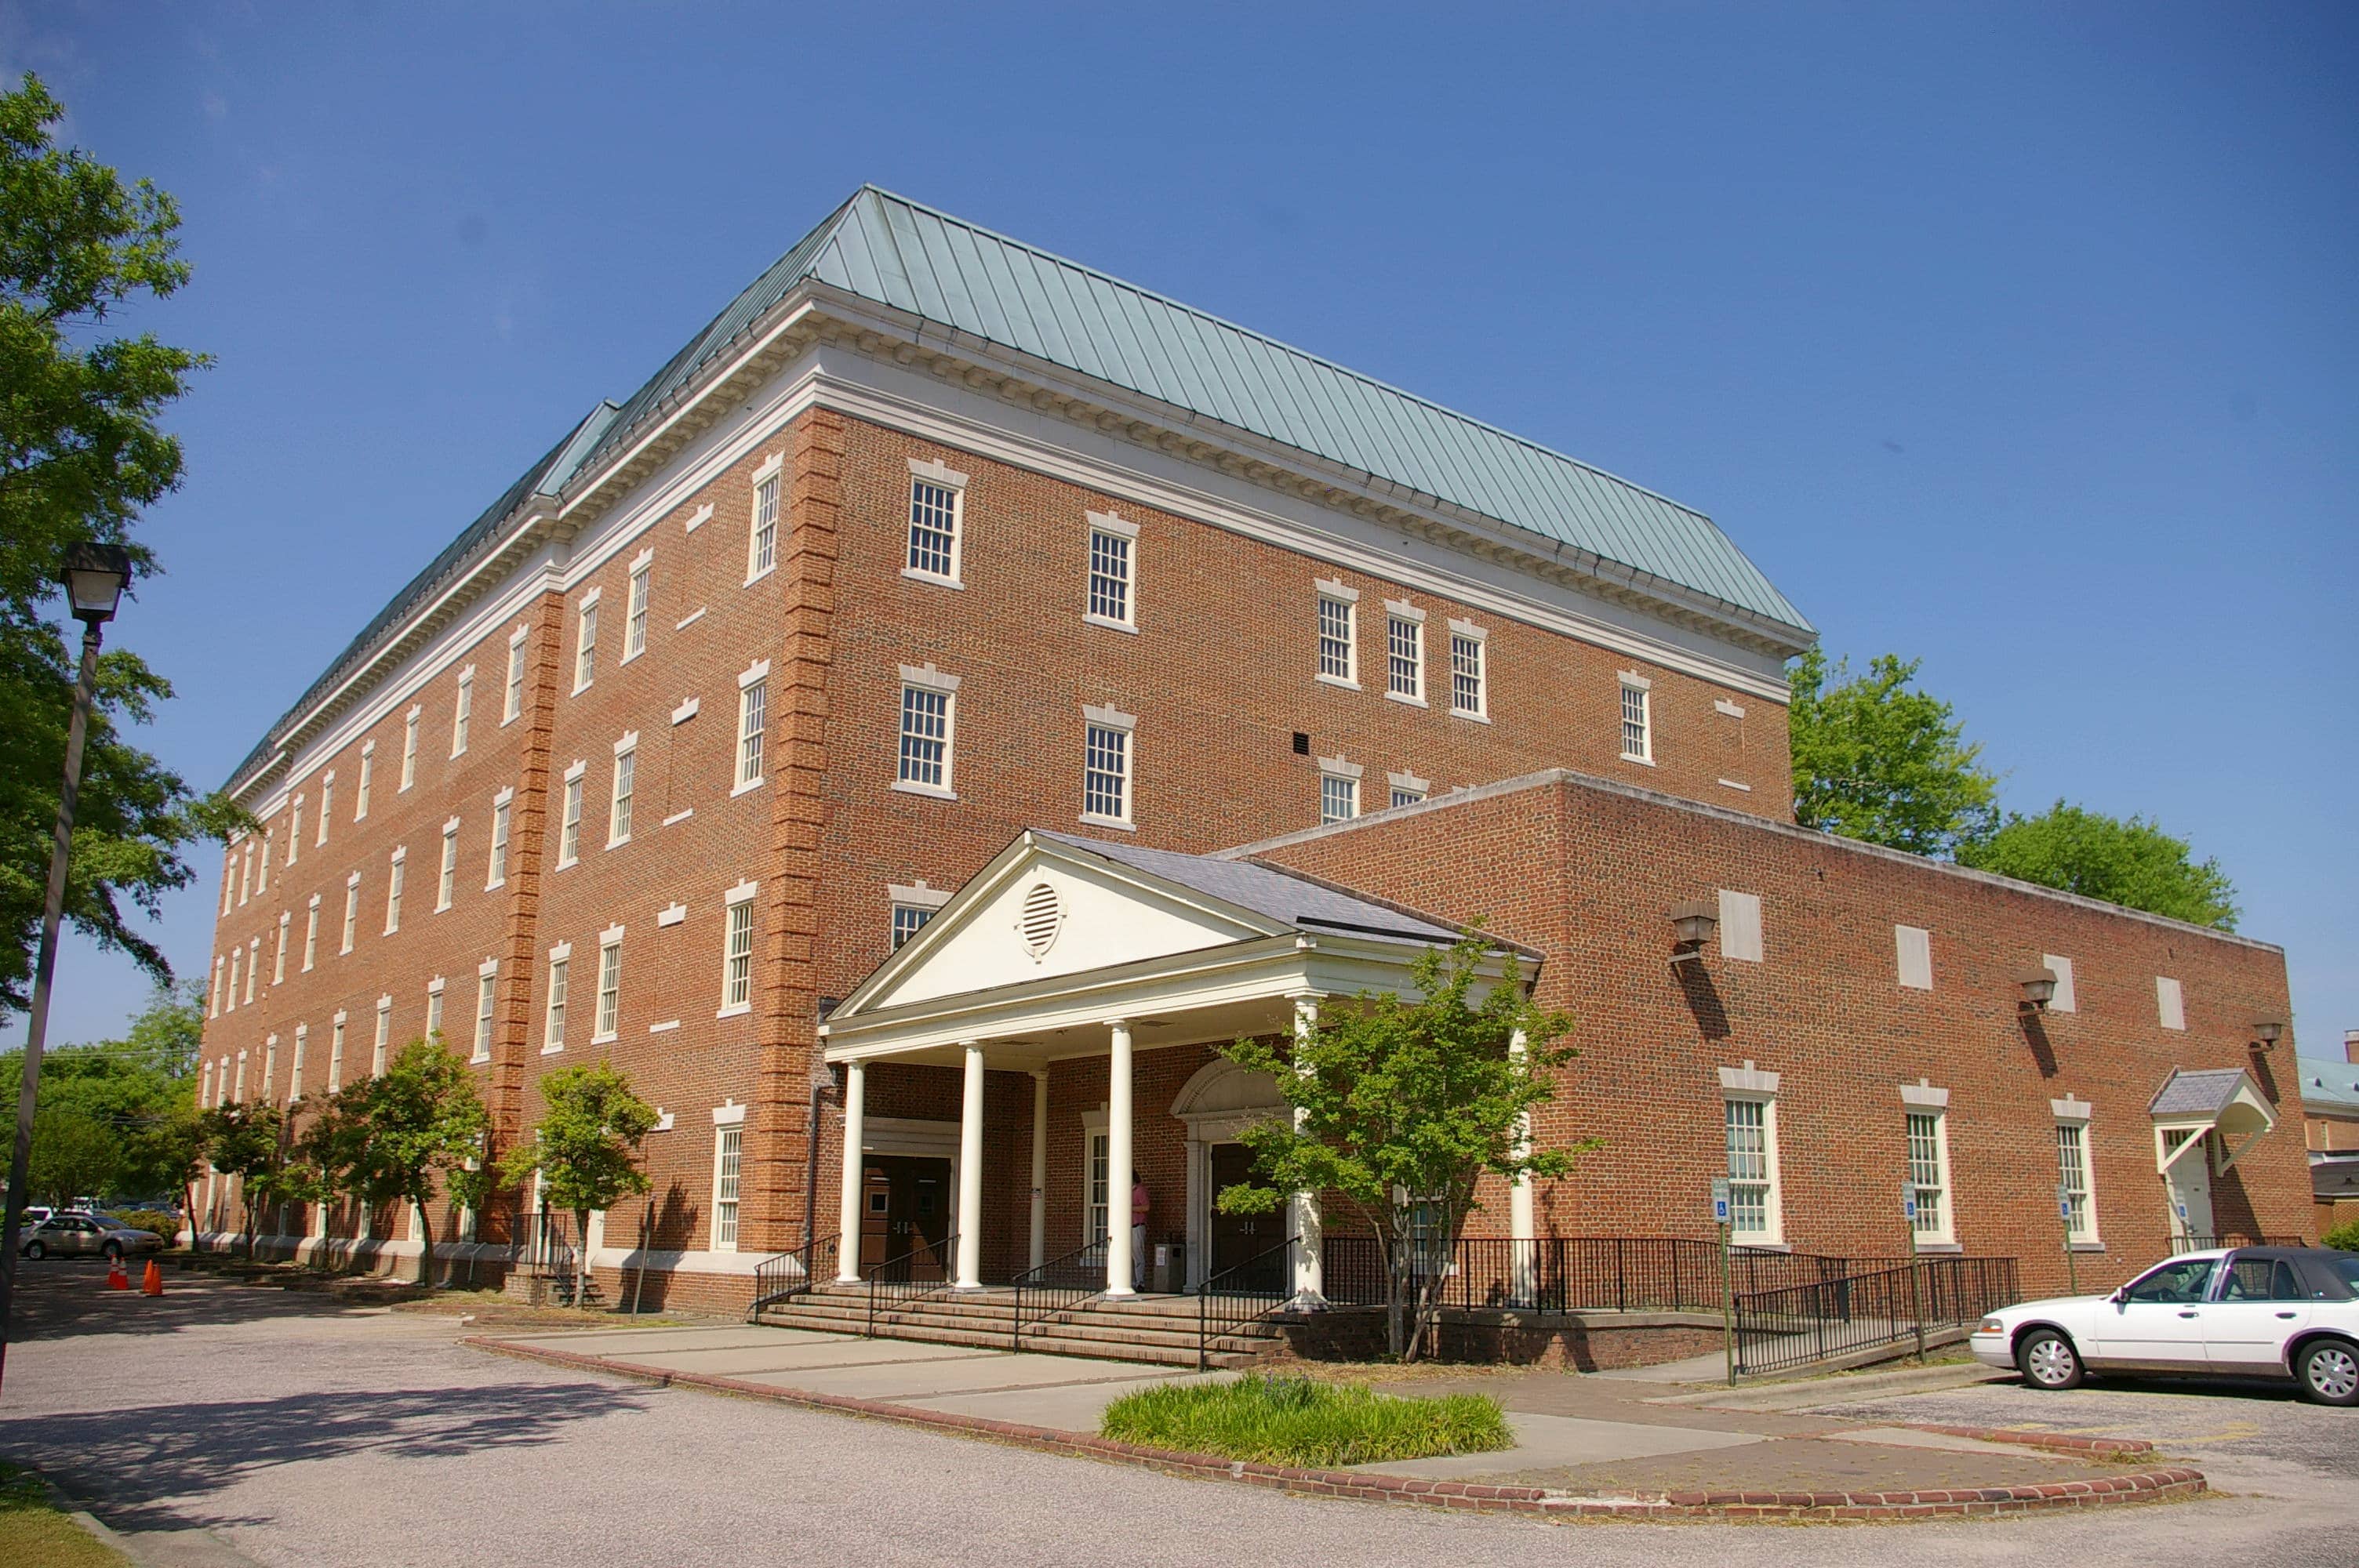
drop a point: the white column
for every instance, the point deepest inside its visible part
(1522, 1231)
(847, 1212)
(1120, 1165)
(1304, 1221)
(970, 1214)
(1039, 1252)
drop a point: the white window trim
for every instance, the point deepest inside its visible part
(462, 712)
(360, 801)
(628, 744)
(585, 671)
(927, 679)
(610, 939)
(351, 912)
(489, 969)
(2073, 1110)
(642, 562)
(576, 775)
(1121, 528)
(1421, 788)
(1750, 1083)
(409, 723)
(723, 1125)
(1337, 768)
(743, 894)
(1127, 723)
(1925, 1100)
(514, 688)
(754, 674)
(560, 954)
(918, 896)
(772, 467)
(1330, 589)
(496, 855)
(1481, 637)
(446, 871)
(396, 887)
(1631, 680)
(1400, 610)
(937, 473)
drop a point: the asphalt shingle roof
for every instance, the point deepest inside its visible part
(2201, 1093)
(1283, 896)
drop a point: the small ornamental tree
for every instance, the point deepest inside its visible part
(587, 1148)
(1401, 1106)
(398, 1133)
(247, 1138)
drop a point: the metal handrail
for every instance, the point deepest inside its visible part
(1241, 1304)
(1060, 1285)
(880, 1283)
(790, 1274)
(1797, 1326)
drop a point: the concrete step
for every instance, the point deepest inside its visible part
(1162, 1332)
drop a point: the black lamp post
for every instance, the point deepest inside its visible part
(94, 577)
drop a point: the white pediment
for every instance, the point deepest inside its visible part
(1040, 913)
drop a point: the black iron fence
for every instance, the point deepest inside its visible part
(2234, 1238)
(1787, 1326)
(923, 1271)
(1580, 1273)
(790, 1274)
(1059, 1285)
(1243, 1293)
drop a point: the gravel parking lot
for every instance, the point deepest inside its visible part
(230, 1425)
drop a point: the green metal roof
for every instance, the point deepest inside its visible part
(897, 252)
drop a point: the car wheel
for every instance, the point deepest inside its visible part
(35, 1249)
(2328, 1371)
(112, 1251)
(2048, 1361)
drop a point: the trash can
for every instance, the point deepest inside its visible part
(1170, 1272)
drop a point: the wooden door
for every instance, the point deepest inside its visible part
(905, 1217)
(1238, 1236)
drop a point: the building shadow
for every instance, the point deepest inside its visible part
(2034, 1034)
(1702, 998)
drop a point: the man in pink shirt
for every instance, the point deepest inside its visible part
(1141, 1200)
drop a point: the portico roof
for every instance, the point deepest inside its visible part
(2201, 1100)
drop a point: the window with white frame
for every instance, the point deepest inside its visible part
(214, 1011)
(762, 551)
(634, 606)
(1470, 696)
(295, 830)
(229, 881)
(908, 919)
(246, 873)
(2078, 1197)
(1928, 1172)
(1097, 1179)
(311, 933)
(1112, 548)
(463, 711)
(1339, 789)
(410, 747)
(383, 1036)
(737, 950)
(585, 641)
(928, 701)
(552, 1033)
(327, 808)
(753, 719)
(1752, 1126)
(1338, 645)
(239, 1093)
(253, 967)
(1637, 727)
(934, 529)
(279, 959)
(360, 800)
(262, 867)
(295, 1066)
(1105, 765)
(496, 873)
(568, 817)
(1407, 789)
(618, 805)
(487, 981)
(351, 911)
(236, 967)
(1403, 652)
(512, 702)
(610, 987)
(446, 882)
(434, 1006)
(396, 873)
(728, 1148)
(269, 1063)
(336, 1056)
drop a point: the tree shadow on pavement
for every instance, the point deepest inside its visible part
(131, 1460)
(62, 1298)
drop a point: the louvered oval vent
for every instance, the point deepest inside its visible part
(1044, 916)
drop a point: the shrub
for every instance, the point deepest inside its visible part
(1294, 1421)
(164, 1225)
(2345, 1236)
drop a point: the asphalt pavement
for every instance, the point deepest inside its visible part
(230, 1425)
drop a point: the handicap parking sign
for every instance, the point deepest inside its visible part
(1720, 1200)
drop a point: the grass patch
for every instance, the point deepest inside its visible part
(1297, 1421)
(35, 1533)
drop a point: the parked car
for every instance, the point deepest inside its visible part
(88, 1236)
(2256, 1312)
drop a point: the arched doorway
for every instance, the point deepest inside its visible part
(1217, 1104)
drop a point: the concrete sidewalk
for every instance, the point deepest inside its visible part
(1574, 1434)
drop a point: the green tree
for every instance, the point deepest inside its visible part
(75, 1156)
(1401, 1106)
(399, 1133)
(108, 1109)
(2133, 864)
(247, 1138)
(1877, 759)
(586, 1149)
(82, 453)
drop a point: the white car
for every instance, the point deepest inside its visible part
(2248, 1312)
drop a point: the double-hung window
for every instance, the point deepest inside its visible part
(2076, 1197)
(487, 980)
(360, 800)
(1338, 644)
(326, 807)
(1751, 1127)
(753, 719)
(928, 700)
(410, 747)
(1403, 652)
(1407, 789)
(936, 496)
(434, 1008)
(279, 961)
(445, 883)
(626, 774)
(384, 1035)
(497, 873)
(252, 969)
(463, 711)
(396, 873)
(351, 911)
(585, 641)
(262, 868)
(336, 1056)
(1470, 696)
(295, 830)
(908, 919)
(568, 817)
(294, 1067)
(762, 548)
(1339, 789)
(553, 1035)
(311, 933)
(1114, 544)
(634, 606)
(728, 1147)
(610, 986)
(1105, 765)
(737, 951)
(236, 967)
(512, 703)
(1637, 726)
(1928, 1173)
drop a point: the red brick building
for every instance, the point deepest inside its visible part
(932, 538)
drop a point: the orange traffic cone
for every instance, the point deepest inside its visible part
(152, 1282)
(116, 1280)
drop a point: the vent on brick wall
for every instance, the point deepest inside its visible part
(1301, 744)
(1044, 915)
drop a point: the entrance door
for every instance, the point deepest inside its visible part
(2188, 1183)
(905, 1217)
(1235, 1237)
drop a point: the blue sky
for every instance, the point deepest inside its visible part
(2021, 339)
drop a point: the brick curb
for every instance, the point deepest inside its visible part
(2167, 1483)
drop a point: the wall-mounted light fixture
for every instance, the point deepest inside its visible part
(1691, 927)
(2038, 988)
(2267, 1033)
